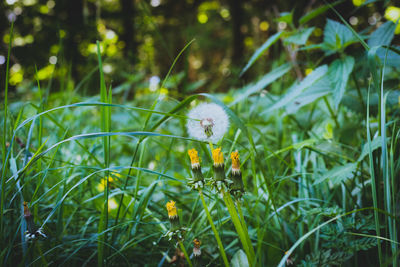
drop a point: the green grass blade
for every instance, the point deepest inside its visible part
(271, 40)
(373, 183)
(4, 158)
(104, 121)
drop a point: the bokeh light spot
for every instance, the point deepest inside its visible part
(202, 18)
(264, 26)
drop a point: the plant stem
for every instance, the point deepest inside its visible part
(358, 90)
(185, 253)
(331, 112)
(244, 226)
(221, 248)
(239, 228)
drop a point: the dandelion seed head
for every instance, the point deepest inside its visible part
(207, 122)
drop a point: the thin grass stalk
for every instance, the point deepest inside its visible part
(105, 127)
(124, 188)
(216, 235)
(140, 162)
(384, 159)
(333, 115)
(185, 253)
(373, 184)
(3, 152)
(393, 184)
(164, 80)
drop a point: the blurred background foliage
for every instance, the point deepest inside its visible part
(140, 39)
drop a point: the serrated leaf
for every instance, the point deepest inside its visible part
(300, 37)
(339, 73)
(296, 89)
(383, 35)
(337, 36)
(261, 50)
(338, 174)
(239, 259)
(318, 89)
(262, 83)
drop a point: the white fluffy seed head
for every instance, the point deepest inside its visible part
(207, 122)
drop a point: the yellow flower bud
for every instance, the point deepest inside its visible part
(218, 158)
(235, 162)
(194, 158)
(171, 208)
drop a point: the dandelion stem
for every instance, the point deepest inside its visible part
(220, 246)
(185, 253)
(248, 248)
(244, 226)
(211, 146)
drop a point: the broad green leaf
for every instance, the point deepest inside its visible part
(337, 36)
(393, 56)
(339, 72)
(338, 174)
(383, 35)
(261, 50)
(316, 12)
(239, 259)
(300, 37)
(298, 88)
(319, 89)
(262, 83)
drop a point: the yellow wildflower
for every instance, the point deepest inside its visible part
(235, 162)
(358, 2)
(392, 13)
(218, 158)
(171, 208)
(194, 158)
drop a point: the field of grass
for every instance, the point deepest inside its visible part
(317, 183)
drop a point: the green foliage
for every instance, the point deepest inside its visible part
(317, 138)
(337, 37)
